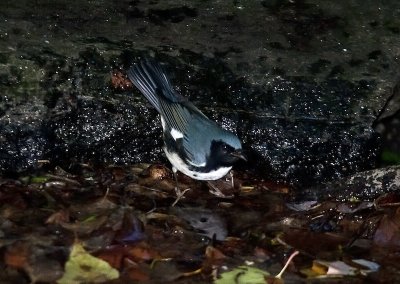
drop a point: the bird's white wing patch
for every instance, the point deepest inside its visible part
(176, 134)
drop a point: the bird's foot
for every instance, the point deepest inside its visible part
(214, 190)
(179, 195)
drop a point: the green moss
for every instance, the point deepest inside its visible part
(390, 157)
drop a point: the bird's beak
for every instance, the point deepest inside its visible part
(239, 154)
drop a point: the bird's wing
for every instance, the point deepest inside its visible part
(176, 111)
(197, 141)
(190, 129)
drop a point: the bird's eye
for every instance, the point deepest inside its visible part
(225, 148)
(221, 147)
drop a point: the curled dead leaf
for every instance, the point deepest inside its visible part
(120, 80)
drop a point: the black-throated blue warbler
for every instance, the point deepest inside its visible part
(194, 144)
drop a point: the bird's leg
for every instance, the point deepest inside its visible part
(178, 192)
(232, 182)
(174, 171)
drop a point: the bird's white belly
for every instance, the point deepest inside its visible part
(179, 164)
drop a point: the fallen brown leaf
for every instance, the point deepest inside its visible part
(388, 231)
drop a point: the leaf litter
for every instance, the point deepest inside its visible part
(116, 224)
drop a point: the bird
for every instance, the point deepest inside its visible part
(194, 144)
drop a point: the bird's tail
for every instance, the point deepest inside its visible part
(149, 77)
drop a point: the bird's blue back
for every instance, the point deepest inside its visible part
(178, 113)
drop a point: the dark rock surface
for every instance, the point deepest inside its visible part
(301, 82)
(362, 186)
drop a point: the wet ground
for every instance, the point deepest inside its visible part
(129, 221)
(311, 88)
